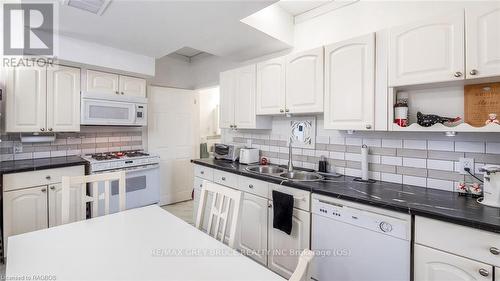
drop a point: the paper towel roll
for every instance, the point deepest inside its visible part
(364, 162)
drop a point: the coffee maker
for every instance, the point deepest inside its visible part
(491, 190)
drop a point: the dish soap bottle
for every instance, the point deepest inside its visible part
(401, 109)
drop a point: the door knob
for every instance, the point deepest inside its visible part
(473, 72)
(484, 272)
(494, 251)
(458, 74)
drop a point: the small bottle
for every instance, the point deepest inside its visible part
(401, 109)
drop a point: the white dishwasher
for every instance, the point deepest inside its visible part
(354, 242)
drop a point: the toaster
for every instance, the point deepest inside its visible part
(229, 152)
(249, 155)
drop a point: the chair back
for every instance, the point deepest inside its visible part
(224, 198)
(93, 180)
(303, 265)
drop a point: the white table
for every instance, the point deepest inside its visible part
(132, 245)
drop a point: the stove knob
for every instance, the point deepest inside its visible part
(385, 226)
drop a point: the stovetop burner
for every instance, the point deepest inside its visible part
(118, 155)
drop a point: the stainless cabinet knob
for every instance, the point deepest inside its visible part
(202, 172)
(250, 185)
(495, 251)
(48, 177)
(223, 178)
(52, 187)
(458, 74)
(42, 129)
(368, 126)
(484, 272)
(117, 92)
(281, 111)
(50, 129)
(287, 110)
(269, 205)
(122, 93)
(201, 185)
(44, 189)
(473, 72)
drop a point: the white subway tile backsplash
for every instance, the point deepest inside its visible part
(415, 144)
(391, 160)
(353, 157)
(58, 153)
(337, 140)
(337, 155)
(493, 147)
(395, 178)
(73, 141)
(352, 172)
(440, 184)
(440, 165)
(374, 159)
(414, 162)
(353, 141)
(320, 153)
(440, 145)
(392, 143)
(41, 154)
(322, 139)
(308, 152)
(418, 181)
(22, 156)
(372, 142)
(470, 146)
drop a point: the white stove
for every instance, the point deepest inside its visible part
(142, 177)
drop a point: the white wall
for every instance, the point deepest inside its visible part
(209, 106)
(173, 72)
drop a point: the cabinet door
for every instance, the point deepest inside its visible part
(252, 229)
(271, 87)
(132, 86)
(280, 260)
(434, 265)
(427, 51)
(63, 99)
(24, 210)
(244, 99)
(350, 84)
(304, 82)
(226, 106)
(75, 211)
(483, 41)
(26, 99)
(102, 83)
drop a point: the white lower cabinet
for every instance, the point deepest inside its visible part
(435, 265)
(252, 234)
(284, 249)
(75, 212)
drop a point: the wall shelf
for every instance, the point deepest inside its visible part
(463, 127)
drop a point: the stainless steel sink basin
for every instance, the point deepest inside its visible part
(267, 170)
(302, 176)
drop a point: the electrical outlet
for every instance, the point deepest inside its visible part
(18, 148)
(466, 163)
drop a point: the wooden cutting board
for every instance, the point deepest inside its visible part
(479, 101)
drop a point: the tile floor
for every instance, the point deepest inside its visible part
(182, 210)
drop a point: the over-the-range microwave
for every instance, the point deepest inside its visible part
(98, 109)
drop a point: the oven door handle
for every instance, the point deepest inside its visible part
(142, 168)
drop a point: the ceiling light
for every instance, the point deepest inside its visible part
(93, 6)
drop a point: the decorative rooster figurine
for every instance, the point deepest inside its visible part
(427, 120)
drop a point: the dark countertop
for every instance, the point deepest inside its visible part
(415, 200)
(7, 167)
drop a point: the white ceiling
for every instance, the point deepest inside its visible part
(157, 28)
(297, 7)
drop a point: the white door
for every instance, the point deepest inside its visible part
(24, 210)
(252, 229)
(75, 212)
(483, 41)
(132, 86)
(244, 98)
(102, 83)
(350, 84)
(280, 244)
(26, 99)
(173, 134)
(304, 82)
(227, 86)
(435, 265)
(63, 99)
(427, 51)
(270, 92)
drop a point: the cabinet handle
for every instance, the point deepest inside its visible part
(473, 72)
(52, 187)
(494, 251)
(269, 205)
(42, 129)
(287, 110)
(201, 185)
(223, 178)
(50, 129)
(117, 92)
(458, 74)
(235, 126)
(48, 177)
(202, 172)
(250, 185)
(484, 272)
(44, 189)
(281, 111)
(122, 93)
(368, 126)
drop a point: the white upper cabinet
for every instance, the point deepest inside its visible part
(350, 84)
(26, 99)
(244, 102)
(483, 41)
(271, 87)
(132, 86)
(227, 86)
(102, 82)
(63, 99)
(304, 82)
(427, 51)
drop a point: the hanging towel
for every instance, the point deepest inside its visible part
(282, 211)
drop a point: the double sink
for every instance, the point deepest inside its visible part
(283, 173)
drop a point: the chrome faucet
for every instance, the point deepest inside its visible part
(290, 165)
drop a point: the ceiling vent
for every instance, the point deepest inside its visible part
(93, 6)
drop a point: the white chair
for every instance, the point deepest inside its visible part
(220, 212)
(301, 270)
(94, 180)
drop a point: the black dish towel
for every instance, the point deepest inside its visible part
(282, 211)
